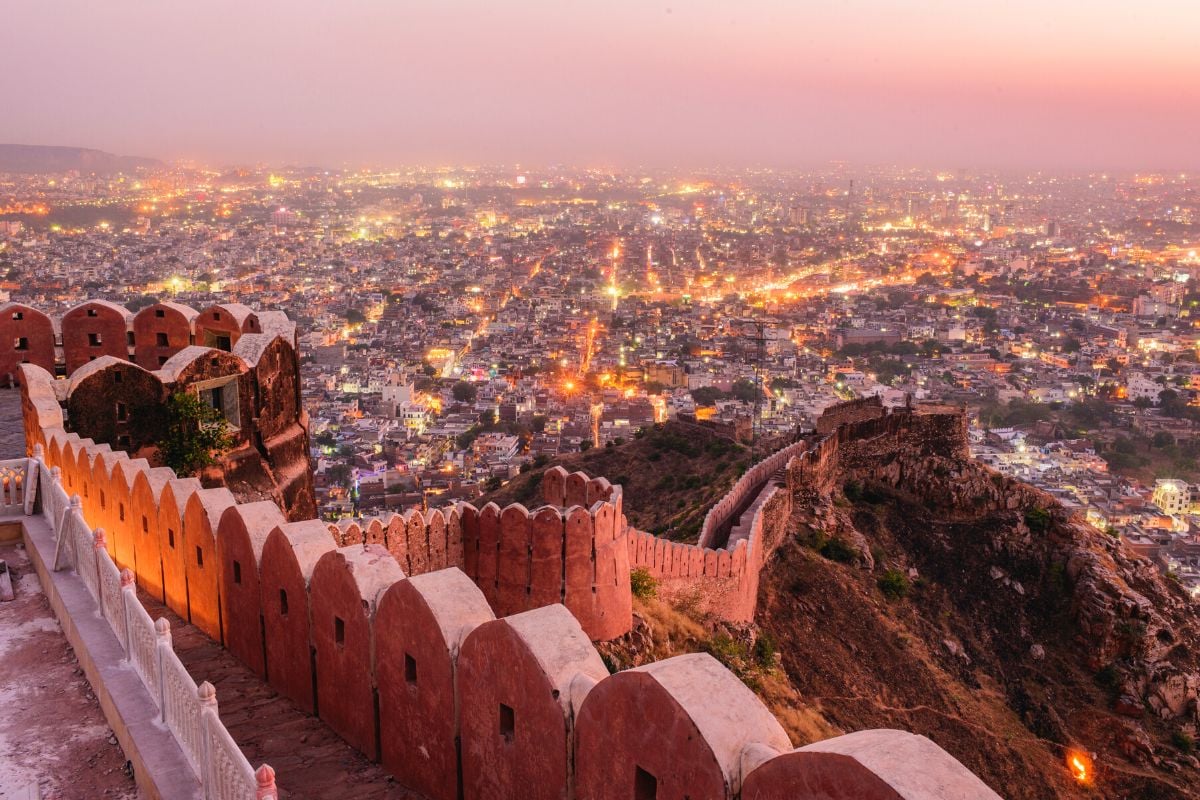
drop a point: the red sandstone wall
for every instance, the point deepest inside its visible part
(515, 681)
(346, 586)
(241, 534)
(92, 330)
(419, 541)
(289, 557)
(661, 741)
(172, 501)
(576, 556)
(201, 518)
(17, 322)
(159, 332)
(145, 500)
(419, 627)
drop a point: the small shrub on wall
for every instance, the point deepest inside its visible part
(196, 434)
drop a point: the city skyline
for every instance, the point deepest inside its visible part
(1075, 86)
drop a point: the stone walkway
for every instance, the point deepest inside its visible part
(52, 731)
(309, 759)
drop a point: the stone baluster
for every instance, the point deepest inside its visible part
(128, 595)
(207, 697)
(32, 473)
(162, 627)
(265, 776)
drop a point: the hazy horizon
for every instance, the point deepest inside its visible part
(931, 83)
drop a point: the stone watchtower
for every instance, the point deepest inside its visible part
(112, 372)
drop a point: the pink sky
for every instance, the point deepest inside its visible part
(943, 83)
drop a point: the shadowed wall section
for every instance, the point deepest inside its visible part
(346, 586)
(419, 627)
(515, 685)
(289, 558)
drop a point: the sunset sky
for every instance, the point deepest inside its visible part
(946, 83)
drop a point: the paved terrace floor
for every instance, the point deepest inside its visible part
(52, 731)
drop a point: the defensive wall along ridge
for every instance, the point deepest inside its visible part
(455, 646)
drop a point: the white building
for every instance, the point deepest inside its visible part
(1173, 496)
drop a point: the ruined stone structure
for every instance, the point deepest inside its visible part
(118, 369)
(456, 646)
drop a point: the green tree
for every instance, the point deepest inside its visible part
(196, 434)
(464, 392)
(1162, 439)
(642, 584)
(1171, 403)
(707, 395)
(745, 390)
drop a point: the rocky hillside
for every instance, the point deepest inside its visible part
(934, 595)
(671, 475)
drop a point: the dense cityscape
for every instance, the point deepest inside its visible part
(459, 326)
(748, 400)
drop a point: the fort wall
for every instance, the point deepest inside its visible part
(863, 408)
(417, 670)
(118, 369)
(573, 550)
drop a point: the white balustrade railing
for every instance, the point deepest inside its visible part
(188, 711)
(181, 708)
(142, 648)
(112, 599)
(13, 476)
(227, 773)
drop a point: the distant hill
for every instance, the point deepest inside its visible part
(32, 158)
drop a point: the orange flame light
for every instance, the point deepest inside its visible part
(1080, 766)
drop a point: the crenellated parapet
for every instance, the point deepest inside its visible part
(572, 550)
